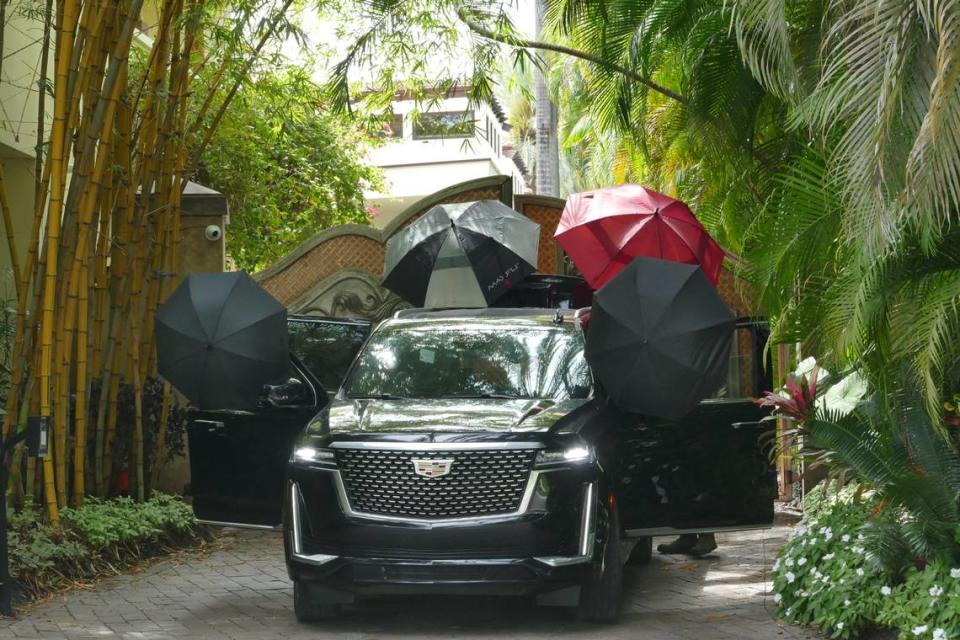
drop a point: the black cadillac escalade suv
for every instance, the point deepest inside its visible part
(469, 452)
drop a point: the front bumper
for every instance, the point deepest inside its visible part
(546, 546)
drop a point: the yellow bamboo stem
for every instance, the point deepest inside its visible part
(80, 430)
(55, 210)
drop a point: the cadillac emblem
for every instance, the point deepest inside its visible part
(432, 468)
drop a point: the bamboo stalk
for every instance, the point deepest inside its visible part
(57, 179)
(80, 430)
(41, 101)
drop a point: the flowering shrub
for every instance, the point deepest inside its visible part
(822, 577)
(926, 605)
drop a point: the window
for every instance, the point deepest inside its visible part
(471, 360)
(393, 126)
(747, 375)
(326, 348)
(448, 124)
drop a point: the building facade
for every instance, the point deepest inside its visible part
(434, 146)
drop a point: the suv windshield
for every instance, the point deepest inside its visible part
(471, 361)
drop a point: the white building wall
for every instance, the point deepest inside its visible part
(23, 39)
(415, 168)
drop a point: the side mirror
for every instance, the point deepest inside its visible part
(292, 393)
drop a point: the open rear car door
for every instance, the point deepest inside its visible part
(238, 459)
(711, 470)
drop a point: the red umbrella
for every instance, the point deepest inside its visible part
(603, 230)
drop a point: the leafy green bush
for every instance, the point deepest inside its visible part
(94, 538)
(926, 605)
(38, 552)
(822, 576)
(102, 523)
(828, 576)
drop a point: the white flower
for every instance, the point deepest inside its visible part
(919, 631)
(805, 594)
(842, 580)
(788, 562)
(801, 562)
(885, 590)
(845, 537)
(829, 556)
(788, 612)
(860, 537)
(860, 571)
(936, 591)
(955, 573)
(790, 577)
(825, 578)
(940, 634)
(846, 603)
(777, 598)
(839, 626)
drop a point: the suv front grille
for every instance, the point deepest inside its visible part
(481, 482)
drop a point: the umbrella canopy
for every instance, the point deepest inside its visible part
(659, 338)
(461, 255)
(603, 230)
(220, 338)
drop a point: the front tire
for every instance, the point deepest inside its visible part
(602, 592)
(306, 605)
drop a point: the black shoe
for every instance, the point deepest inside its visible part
(705, 544)
(683, 544)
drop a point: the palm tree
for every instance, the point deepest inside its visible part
(548, 156)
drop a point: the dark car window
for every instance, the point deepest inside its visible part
(745, 367)
(326, 348)
(466, 360)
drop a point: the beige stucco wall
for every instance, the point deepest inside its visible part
(23, 37)
(18, 179)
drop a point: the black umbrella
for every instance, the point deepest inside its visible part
(461, 255)
(659, 337)
(220, 338)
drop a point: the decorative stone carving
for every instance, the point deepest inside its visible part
(349, 293)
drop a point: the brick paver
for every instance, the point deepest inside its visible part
(240, 591)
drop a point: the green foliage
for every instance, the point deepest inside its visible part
(926, 605)
(822, 576)
(287, 167)
(101, 523)
(891, 446)
(93, 538)
(37, 549)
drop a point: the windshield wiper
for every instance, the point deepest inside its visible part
(497, 396)
(376, 396)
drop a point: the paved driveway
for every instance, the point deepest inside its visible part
(241, 591)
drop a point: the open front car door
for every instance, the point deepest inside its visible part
(710, 471)
(238, 459)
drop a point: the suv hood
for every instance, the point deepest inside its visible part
(444, 415)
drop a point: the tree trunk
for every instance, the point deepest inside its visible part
(548, 150)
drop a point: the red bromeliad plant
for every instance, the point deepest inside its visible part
(796, 401)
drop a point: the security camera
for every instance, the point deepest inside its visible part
(213, 232)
